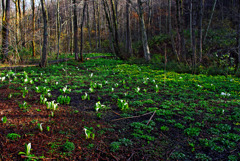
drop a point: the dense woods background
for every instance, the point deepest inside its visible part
(193, 32)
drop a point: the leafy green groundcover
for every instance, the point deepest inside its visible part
(133, 111)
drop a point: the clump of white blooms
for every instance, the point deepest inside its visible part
(225, 94)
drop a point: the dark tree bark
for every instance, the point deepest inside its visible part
(143, 32)
(112, 25)
(75, 29)
(45, 35)
(128, 30)
(115, 24)
(180, 28)
(24, 25)
(99, 27)
(238, 37)
(58, 30)
(193, 26)
(89, 28)
(170, 30)
(200, 33)
(33, 28)
(83, 17)
(5, 29)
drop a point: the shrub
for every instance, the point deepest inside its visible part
(68, 146)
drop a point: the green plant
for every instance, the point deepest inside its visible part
(43, 100)
(99, 115)
(65, 90)
(89, 132)
(52, 105)
(164, 128)
(24, 105)
(39, 125)
(224, 127)
(125, 142)
(4, 119)
(27, 151)
(13, 136)
(156, 88)
(85, 96)
(114, 146)
(10, 96)
(123, 105)
(98, 106)
(24, 92)
(63, 99)
(91, 90)
(192, 131)
(202, 157)
(232, 158)
(68, 146)
(179, 125)
(90, 146)
(177, 155)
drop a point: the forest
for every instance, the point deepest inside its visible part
(120, 80)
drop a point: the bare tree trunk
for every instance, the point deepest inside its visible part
(193, 13)
(112, 25)
(24, 25)
(144, 33)
(17, 21)
(45, 35)
(200, 29)
(33, 28)
(5, 29)
(238, 36)
(128, 30)
(72, 26)
(89, 28)
(180, 27)
(170, 29)
(83, 17)
(149, 19)
(210, 21)
(99, 27)
(58, 29)
(75, 29)
(115, 25)
(160, 18)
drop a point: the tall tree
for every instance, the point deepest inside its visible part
(193, 26)
(170, 29)
(5, 29)
(110, 13)
(95, 23)
(33, 29)
(115, 24)
(81, 36)
(238, 37)
(24, 25)
(58, 29)
(43, 62)
(210, 20)
(200, 35)
(72, 26)
(75, 29)
(99, 27)
(143, 31)
(128, 29)
(17, 7)
(180, 24)
(89, 28)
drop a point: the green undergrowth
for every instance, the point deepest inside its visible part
(195, 117)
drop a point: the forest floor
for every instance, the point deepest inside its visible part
(113, 110)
